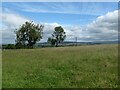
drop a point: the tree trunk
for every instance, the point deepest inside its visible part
(30, 45)
(56, 44)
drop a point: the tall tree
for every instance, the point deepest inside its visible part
(29, 33)
(58, 36)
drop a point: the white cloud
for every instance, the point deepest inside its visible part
(103, 28)
(12, 19)
(10, 22)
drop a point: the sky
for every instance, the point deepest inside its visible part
(88, 21)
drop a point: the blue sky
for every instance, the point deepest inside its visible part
(78, 14)
(63, 13)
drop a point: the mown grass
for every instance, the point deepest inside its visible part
(68, 67)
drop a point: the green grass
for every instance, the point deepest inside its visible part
(68, 67)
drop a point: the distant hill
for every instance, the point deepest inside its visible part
(79, 43)
(107, 42)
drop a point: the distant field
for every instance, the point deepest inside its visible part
(68, 67)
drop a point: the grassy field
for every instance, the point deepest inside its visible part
(68, 67)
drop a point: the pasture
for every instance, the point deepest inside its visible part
(93, 66)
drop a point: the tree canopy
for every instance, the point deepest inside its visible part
(28, 34)
(58, 36)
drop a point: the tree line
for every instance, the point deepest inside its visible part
(29, 34)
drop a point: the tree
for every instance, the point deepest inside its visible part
(28, 34)
(58, 36)
(52, 41)
(10, 46)
(19, 46)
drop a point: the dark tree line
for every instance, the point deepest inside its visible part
(29, 33)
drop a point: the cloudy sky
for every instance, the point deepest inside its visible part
(93, 21)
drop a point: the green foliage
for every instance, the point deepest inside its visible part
(28, 34)
(19, 46)
(10, 46)
(58, 36)
(94, 66)
(52, 41)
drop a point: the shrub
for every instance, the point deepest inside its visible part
(10, 46)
